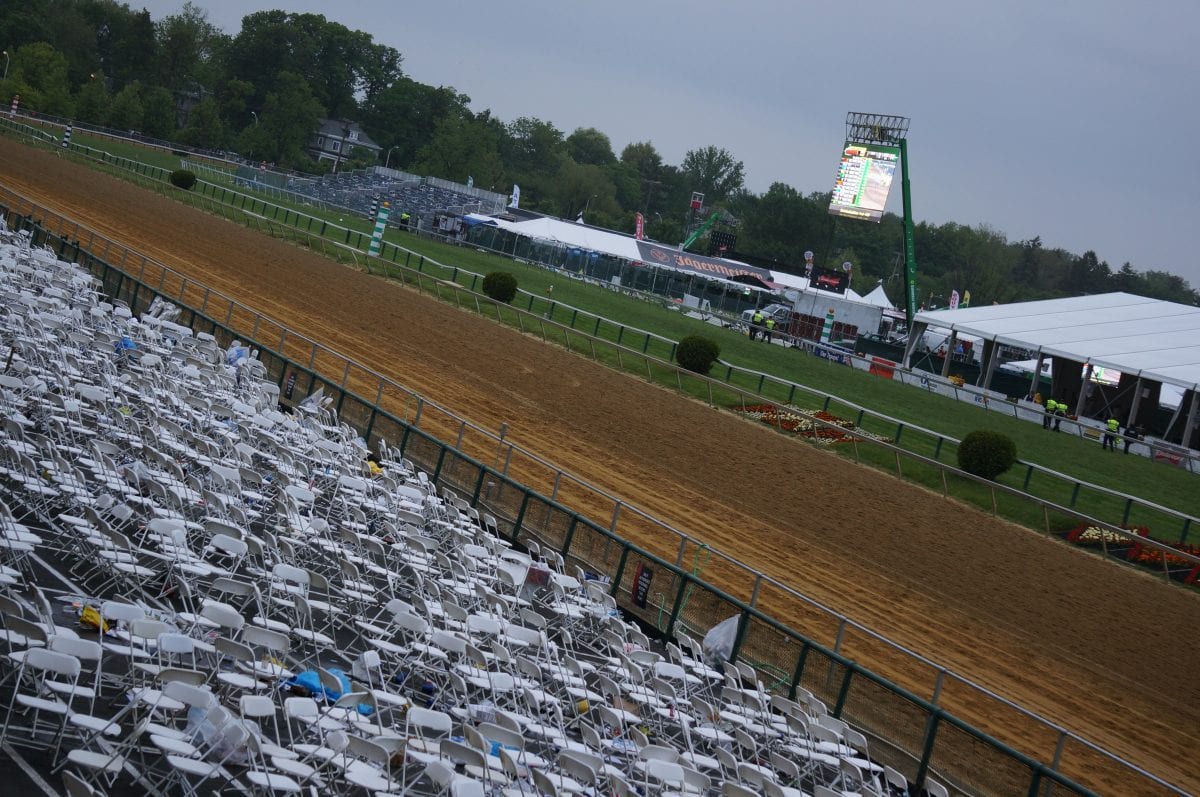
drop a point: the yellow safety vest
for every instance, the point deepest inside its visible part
(1113, 424)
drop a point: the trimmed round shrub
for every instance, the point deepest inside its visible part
(986, 453)
(183, 178)
(501, 286)
(697, 353)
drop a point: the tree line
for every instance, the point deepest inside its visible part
(259, 93)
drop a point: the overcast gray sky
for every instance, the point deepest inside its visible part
(1073, 120)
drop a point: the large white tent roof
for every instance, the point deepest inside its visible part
(1157, 339)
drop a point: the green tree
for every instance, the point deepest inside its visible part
(39, 75)
(126, 110)
(337, 64)
(188, 47)
(584, 186)
(158, 117)
(204, 126)
(461, 148)
(131, 44)
(643, 159)
(403, 117)
(587, 145)
(288, 119)
(532, 152)
(714, 172)
(93, 100)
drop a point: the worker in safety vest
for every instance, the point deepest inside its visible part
(1046, 418)
(770, 329)
(1111, 427)
(1060, 412)
(755, 324)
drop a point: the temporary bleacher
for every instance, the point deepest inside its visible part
(418, 196)
(199, 591)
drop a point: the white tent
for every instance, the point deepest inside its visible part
(580, 235)
(1155, 339)
(879, 297)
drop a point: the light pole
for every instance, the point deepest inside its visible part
(6, 60)
(255, 115)
(588, 204)
(388, 160)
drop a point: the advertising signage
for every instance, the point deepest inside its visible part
(832, 281)
(864, 179)
(656, 255)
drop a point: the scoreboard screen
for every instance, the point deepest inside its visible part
(864, 179)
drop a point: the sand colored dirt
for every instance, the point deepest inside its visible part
(1103, 651)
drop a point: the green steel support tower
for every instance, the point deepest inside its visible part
(910, 249)
(874, 142)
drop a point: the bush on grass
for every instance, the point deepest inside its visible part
(697, 353)
(986, 453)
(501, 286)
(183, 178)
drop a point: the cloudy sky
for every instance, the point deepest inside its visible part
(1072, 120)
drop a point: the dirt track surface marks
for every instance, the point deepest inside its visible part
(1105, 652)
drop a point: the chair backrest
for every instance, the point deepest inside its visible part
(935, 789)
(895, 779)
(665, 771)
(121, 612)
(274, 641)
(428, 721)
(658, 752)
(504, 736)
(223, 615)
(256, 706)
(83, 649)
(301, 707)
(51, 661)
(543, 783)
(731, 788)
(173, 644)
(192, 695)
(77, 786)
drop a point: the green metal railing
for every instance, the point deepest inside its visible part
(911, 732)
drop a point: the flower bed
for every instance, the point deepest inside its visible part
(820, 427)
(1132, 550)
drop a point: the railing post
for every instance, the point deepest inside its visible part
(520, 521)
(931, 729)
(678, 606)
(798, 673)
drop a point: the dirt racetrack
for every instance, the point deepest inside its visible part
(1105, 652)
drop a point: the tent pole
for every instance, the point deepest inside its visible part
(1131, 418)
(1190, 426)
(1035, 384)
(950, 342)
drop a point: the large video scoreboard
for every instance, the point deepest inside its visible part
(863, 181)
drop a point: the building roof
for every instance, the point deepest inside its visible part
(335, 128)
(1153, 338)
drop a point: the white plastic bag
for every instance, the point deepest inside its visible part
(718, 642)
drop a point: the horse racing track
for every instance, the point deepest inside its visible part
(1101, 650)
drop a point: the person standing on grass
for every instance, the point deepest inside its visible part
(1111, 427)
(1048, 414)
(770, 329)
(1060, 412)
(1132, 433)
(755, 322)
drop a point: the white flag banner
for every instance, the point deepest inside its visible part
(516, 197)
(953, 300)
